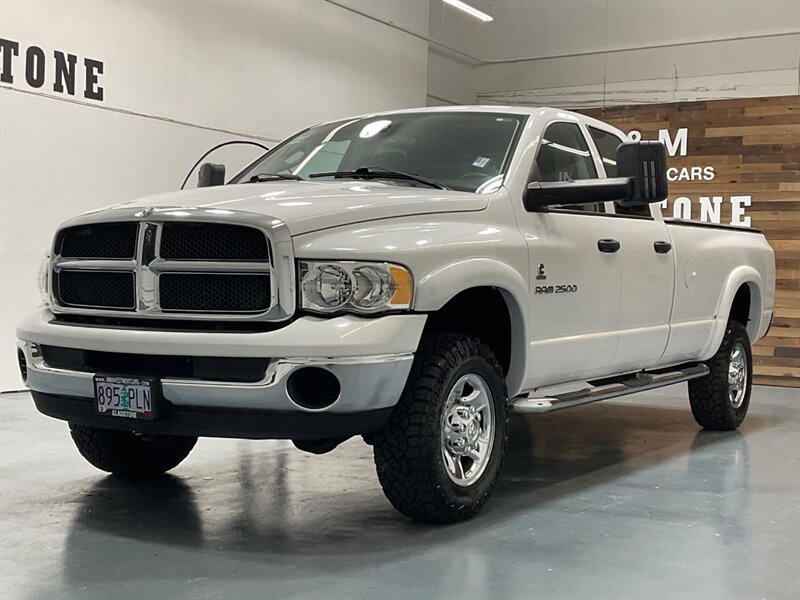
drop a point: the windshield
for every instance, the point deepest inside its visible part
(462, 151)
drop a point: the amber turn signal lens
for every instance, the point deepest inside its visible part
(402, 287)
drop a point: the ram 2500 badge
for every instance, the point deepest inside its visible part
(411, 277)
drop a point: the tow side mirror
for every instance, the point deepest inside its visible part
(210, 174)
(642, 179)
(584, 191)
(645, 163)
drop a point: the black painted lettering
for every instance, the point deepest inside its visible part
(65, 72)
(34, 67)
(94, 68)
(10, 49)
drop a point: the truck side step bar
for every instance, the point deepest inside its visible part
(636, 383)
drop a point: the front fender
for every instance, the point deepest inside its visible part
(437, 288)
(447, 255)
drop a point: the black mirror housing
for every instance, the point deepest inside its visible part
(645, 163)
(211, 174)
(584, 191)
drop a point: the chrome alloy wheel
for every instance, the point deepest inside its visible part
(468, 424)
(737, 375)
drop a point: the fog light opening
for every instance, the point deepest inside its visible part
(23, 365)
(313, 388)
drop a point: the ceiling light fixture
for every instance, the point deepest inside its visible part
(470, 10)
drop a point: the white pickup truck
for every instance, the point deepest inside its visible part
(411, 277)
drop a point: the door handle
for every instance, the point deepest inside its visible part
(662, 247)
(606, 245)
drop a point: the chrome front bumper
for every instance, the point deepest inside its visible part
(371, 358)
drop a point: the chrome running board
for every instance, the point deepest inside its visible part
(622, 387)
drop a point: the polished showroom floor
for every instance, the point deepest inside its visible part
(615, 500)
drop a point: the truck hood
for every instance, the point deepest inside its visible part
(310, 206)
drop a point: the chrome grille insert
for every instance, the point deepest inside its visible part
(212, 241)
(214, 292)
(97, 289)
(99, 240)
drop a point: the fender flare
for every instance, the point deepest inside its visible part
(742, 275)
(442, 285)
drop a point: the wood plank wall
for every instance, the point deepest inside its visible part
(754, 146)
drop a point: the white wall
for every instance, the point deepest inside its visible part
(579, 58)
(222, 70)
(451, 80)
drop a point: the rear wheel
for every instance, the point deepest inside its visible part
(130, 454)
(720, 400)
(440, 454)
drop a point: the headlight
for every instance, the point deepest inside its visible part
(44, 278)
(354, 286)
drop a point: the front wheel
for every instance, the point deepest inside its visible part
(720, 400)
(130, 454)
(440, 454)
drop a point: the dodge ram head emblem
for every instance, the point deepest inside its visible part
(145, 212)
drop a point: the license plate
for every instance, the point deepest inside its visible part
(126, 397)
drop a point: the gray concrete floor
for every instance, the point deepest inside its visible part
(614, 500)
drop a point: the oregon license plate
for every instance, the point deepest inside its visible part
(126, 397)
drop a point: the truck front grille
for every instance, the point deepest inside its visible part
(160, 268)
(214, 292)
(96, 289)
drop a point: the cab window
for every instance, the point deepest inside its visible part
(564, 155)
(607, 144)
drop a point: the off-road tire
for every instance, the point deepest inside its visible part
(408, 451)
(129, 454)
(708, 396)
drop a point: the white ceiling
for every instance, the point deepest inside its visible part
(525, 28)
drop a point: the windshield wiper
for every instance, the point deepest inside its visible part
(261, 177)
(381, 173)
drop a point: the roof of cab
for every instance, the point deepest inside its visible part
(535, 111)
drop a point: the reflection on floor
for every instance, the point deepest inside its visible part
(614, 500)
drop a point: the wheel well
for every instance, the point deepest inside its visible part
(481, 312)
(740, 308)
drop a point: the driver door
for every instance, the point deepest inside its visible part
(574, 302)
